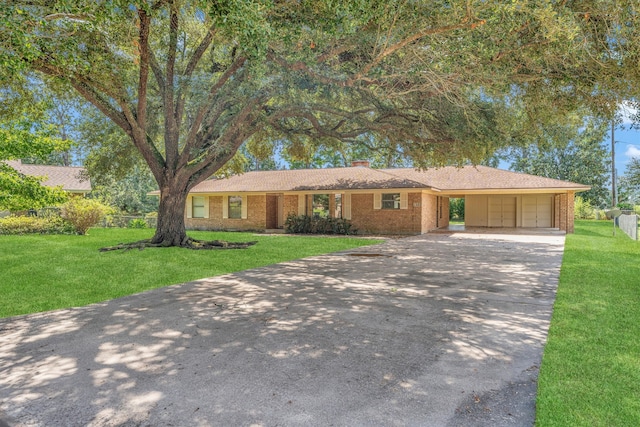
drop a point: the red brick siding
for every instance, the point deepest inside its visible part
(290, 205)
(256, 217)
(564, 211)
(444, 217)
(428, 221)
(386, 221)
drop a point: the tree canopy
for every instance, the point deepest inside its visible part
(572, 152)
(190, 82)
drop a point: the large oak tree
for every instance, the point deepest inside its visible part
(189, 82)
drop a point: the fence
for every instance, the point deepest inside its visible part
(629, 224)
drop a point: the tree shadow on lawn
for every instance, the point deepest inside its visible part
(405, 338)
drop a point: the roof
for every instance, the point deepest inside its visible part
(72, 178)
(352, 178)
(449, 179)
(468, 178)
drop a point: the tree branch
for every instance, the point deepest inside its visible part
(143, 42)
(413, 38)
(206, 107)
(191, 66)
(171, 126)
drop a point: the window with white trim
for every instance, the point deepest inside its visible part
(390, 201)
(197, 207)
(235, 207)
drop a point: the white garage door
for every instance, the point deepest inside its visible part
(537, 211)
(502, 211)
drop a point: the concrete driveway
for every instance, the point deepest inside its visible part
(436, 330)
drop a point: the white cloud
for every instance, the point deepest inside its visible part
(632, 152)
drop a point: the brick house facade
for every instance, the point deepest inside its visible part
(388, 201)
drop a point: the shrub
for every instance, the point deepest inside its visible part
(137, 223)
(35, 225)
(625, 206)
(304, 224)
(583, 209)
(83, 213)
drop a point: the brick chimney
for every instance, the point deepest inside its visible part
(363, 163)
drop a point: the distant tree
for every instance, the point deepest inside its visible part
(629, 184)
(572, 153)
(24, 133)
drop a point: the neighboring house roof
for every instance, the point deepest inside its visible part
(72, 178)
(449, 179)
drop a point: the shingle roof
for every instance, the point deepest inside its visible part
(71, 178)
(354, 178)
(451, 178)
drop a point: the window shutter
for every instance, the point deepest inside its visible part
(377, 201)
(189, 207)
(404, 200)
(346, 206)
(301, 204)
(225, 207)
(206, 207)
(244, 207)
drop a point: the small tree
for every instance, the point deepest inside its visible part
(83, 213)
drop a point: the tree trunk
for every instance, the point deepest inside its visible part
(171, 230)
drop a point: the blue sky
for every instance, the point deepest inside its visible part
(627, 146)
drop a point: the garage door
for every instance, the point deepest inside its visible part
(537, 211)
(502, 211)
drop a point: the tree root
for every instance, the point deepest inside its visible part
(187, 243)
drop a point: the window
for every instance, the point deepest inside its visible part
(337, 213)
(235, 207)
(321, 205)
(391, 201)
(197, 207)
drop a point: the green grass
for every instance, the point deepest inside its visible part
(590, 374)
(40, 273)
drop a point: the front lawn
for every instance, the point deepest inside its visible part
(39, 273)
(590, 374)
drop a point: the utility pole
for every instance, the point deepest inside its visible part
(614, 196)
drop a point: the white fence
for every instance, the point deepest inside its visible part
(629, 224)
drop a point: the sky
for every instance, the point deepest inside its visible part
(627, 144)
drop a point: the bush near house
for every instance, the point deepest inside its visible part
(305, 224)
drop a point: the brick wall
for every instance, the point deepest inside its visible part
(570, 211)
(386, 221)
(444, 218)
(256, 216)
(428, 223)
(290, 205)
(564, 211)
